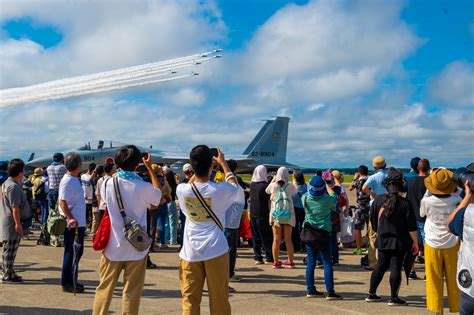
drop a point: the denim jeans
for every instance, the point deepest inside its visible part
(467, 304)
(232, 236)
(69, 240)
(53, 195)
(328, 269)
(334, 249)
(262, 235)
(162, 216)
(421, 233)
(44, 210)
(173, 222)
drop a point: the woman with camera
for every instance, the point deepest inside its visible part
(461, 223)
(441, 247)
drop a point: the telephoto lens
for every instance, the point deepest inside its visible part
(461, 175)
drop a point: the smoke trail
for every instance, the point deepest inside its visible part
(151, 73)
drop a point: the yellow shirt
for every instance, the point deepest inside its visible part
(36, 181)
(220, 177)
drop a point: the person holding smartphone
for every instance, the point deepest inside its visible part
(205, 252)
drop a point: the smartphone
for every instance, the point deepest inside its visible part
(214, 152)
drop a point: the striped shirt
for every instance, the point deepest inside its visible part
(55, 174)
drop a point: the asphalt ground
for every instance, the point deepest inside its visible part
(262, 291)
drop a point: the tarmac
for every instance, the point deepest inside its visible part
(262, 290)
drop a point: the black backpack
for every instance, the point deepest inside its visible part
(40, 192)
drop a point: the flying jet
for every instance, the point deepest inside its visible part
(268, 147)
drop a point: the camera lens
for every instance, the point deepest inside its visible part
(461, 175)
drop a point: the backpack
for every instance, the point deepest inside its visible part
(40, 192)
(282, 208)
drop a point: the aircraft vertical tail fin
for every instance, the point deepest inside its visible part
(32, 157)
(270, 144)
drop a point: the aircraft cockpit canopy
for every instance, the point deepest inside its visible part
(99, 145)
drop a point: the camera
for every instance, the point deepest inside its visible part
(214, 152)
(461, 175)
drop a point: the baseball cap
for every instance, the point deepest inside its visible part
(58, 157)
(414, 163)
(187, 168)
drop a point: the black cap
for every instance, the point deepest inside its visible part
(58, 157)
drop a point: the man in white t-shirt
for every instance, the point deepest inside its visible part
(137, 196)
(204, 255)
(73, 206)
(86, 182)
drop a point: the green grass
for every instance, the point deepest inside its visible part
(347, 178)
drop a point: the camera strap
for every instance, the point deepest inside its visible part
(206, 207)
(118, 197)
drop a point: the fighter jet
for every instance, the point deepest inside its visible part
(268, 148)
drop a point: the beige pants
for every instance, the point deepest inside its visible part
(371, 251)
(133, 281)
(95, 221)
(192, 276)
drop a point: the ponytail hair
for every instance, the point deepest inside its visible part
(390, 203)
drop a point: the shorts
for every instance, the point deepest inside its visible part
(361, 218)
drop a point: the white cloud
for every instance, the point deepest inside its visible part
(187, 97)
(99, 36)
(454, 85)
(316, 106)
(325, 50)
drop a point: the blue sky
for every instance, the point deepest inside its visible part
(358, 78)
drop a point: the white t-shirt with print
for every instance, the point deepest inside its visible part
(70, 190)
(137, 197)
(87, 187)
(437, 211)
(203, 239)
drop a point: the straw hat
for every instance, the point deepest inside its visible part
(440, 182)
(378, 162)
(38, 171)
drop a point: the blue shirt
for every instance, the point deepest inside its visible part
(3, 177)
(302, 189)
(457, 223)
(374, 182)
(410, 175)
